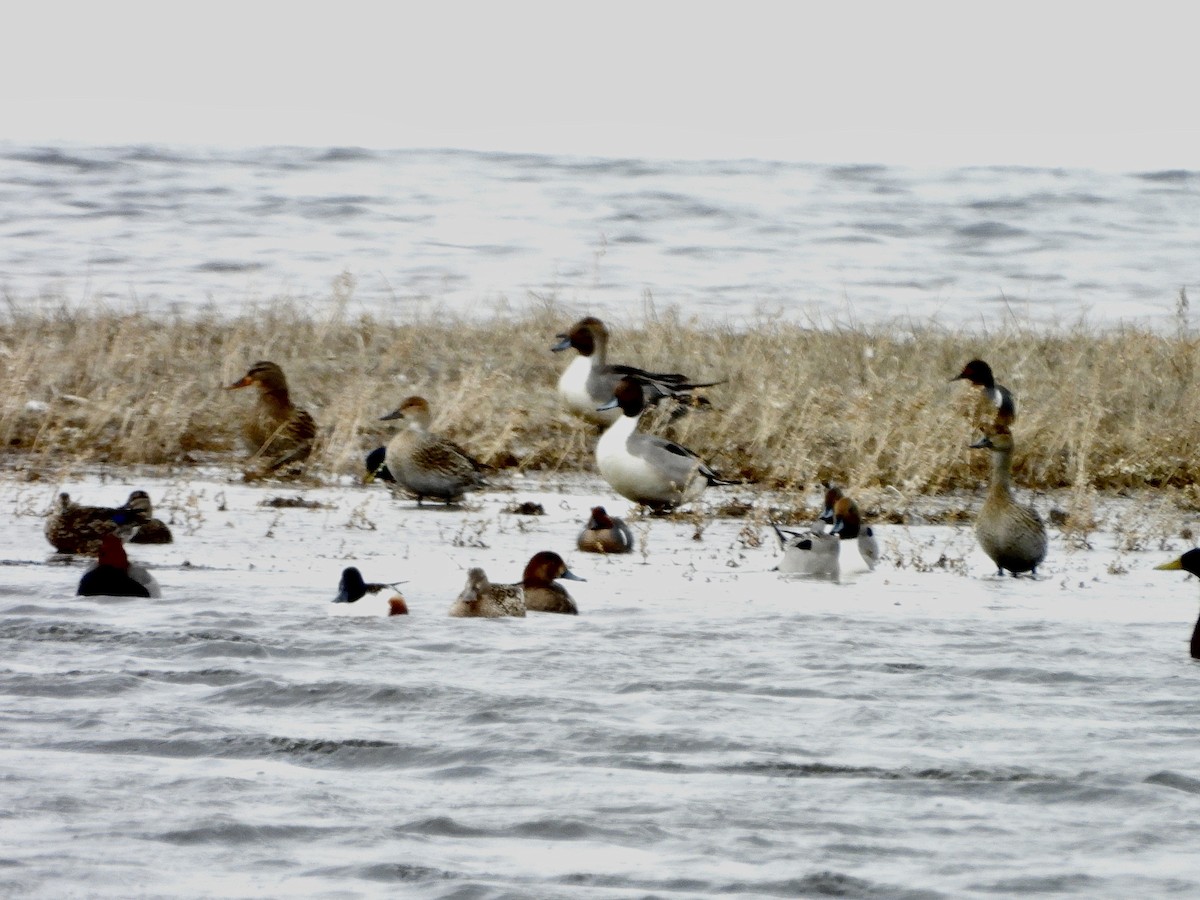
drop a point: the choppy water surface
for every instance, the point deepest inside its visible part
(701, 729)
(174, 228)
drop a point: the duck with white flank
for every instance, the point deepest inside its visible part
(352, 588)
(1012, 535)
(811, 553)
(1190, 563)
(843, 514)
(277, 432)
(425, 464)
(590, 380)
(114, 576)
(645, 468)
(997, 402)
(605, 534)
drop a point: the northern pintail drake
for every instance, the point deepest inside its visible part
(425, 464)
(542, 591)
(277, 432)
(1012, 535)
(605, 534)
(645, 468)
(844, 515)
(114, 576)
(72, 528)
(151, 530)
(811, 553)
(1190, 563)
(352, 588)
(589, 381)
(999, 404)
(482, 599)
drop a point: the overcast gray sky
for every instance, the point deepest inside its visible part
(1109, 85)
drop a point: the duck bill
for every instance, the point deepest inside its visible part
(564, 343)
(395, 414)
(1173, 564)
(982, 444)
(611, 404)
(571, 576)
(246, 381)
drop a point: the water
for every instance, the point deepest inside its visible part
(703, 728)
(180, 228)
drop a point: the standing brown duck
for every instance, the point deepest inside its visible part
(277, 432)
(426, 464)
(1012, 535)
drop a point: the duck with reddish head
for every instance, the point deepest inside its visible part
(844, 515)
(114, 576)
(605, 534)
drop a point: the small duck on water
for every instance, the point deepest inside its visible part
(277, 433)
(1190, 563)
(151, 530)
(646, 468)
(590, 380)
(352, 588)
(426, 464)
(114, 576)
(604, 534)
(1014, 536)
(536, 591)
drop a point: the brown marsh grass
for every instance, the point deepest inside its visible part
(872, 407)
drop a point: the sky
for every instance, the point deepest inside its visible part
(1068, 84)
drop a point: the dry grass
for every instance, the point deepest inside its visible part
(872, 407)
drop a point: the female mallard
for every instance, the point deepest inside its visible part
(645, 468)
(277, 432)
(605, 534)
(590, 380)
(425, 464)
(1189, 562)
(113, 576)
(72, 528)
(1011, 534)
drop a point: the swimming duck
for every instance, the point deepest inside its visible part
(151, 530)
(542, 593)
(1189, 562)
(844, 515)
(425, 464)
(1011, 534)
(645, 468)
(588, 382)
(482, 599)
(811, 553)
(605, 534)
(113, 576)
(352, 588)
(72, 528)
(277, 432)
(998, 401)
